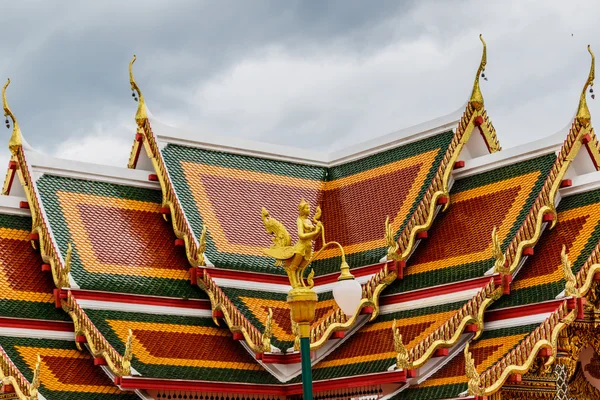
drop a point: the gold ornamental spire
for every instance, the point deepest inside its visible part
(476, 96)
(15, 141)
(140, 115)
(583, 112)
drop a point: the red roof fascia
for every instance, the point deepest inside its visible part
(282, 279)
(133, 382)
(436, 290)
(523, 311)
(38, 324)
(197, 304)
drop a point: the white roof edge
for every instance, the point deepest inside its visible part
(398, 138)
(519, 153)
(11, 205)
(582, 183)
(166, 134)
(40, 164)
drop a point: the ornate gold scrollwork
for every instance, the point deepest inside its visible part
(390, 241)
(499, 257)
(202, 247)
(570, 280)
(268, 332)
(475, 385)
(64, 276)
(402, 359)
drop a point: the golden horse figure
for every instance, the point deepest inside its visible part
(296, 258)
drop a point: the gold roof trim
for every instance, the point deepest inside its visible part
(583, 112)
(522, 358)
(15, 141)
(476, 99)
(10, 375)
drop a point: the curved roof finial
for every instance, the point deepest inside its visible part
(476, 99)
(583, 112)
(140, 115)
(15, 141)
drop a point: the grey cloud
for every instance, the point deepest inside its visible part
(201, 63)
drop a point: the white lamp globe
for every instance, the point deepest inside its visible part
(347, 294)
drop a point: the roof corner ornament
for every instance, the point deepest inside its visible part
(475, 386)
(268, 332)
(141, 115)
(583, 112)
(401, 352)
(64, 275)
(476, 99)
(202, 247)
(35, 382)
(500, 263)
(128, 354)
(390, 241)
(570, 280)
(15, 142)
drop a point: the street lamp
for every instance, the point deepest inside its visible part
(302, 298)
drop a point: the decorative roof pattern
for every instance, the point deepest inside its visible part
(25, 292)
(119, 239)
(371, 349)
(226, 192)
(451, 380)
(174, 347)
(459, 245)
(541, 277)
(254, 305)
(66, 373)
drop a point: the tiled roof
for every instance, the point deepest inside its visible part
(119, 238)
(255, 305)
(25, 292)
(371, 349)
(226, 192)
(541, 277)
(451, 380)
(66, 373)
(174, 347)
(459, 245)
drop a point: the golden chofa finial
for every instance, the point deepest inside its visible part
(140, 116)
(476, 97)
(583, 112)
(15, 141)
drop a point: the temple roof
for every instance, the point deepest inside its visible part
(472, 254)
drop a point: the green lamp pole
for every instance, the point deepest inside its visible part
(303, 301)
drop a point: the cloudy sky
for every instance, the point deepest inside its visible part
(312, 74)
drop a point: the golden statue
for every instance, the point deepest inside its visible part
(294, 258)
(400, 349)
(570, 280)
(475, 388)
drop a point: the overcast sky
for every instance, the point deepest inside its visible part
(312, 74)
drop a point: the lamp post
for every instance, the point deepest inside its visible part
(302, 298)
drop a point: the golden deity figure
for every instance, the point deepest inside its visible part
(294, 258)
